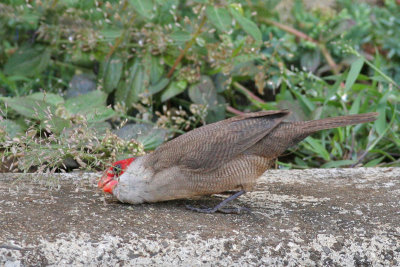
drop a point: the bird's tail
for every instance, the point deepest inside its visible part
(328, 123)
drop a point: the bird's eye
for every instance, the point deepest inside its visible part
(117, 169)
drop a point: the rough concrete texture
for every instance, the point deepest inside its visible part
(335, 217)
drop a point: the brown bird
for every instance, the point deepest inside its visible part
(219, 157)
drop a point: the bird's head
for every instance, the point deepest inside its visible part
(110, 177)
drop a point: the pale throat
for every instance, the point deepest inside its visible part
(132, 184)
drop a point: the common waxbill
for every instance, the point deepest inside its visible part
(219, 157)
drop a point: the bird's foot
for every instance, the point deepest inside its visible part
(234, 210)
(220, 206)
(201, 210)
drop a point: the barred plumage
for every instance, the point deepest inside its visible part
(226, 155)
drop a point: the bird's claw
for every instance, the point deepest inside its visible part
(235, 210)
(201, 210)
(220, 206)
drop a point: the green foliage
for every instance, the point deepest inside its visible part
(27, 61)
(219, 17)
(56, 114)
(179, 64)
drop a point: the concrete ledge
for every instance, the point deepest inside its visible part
(324, 217)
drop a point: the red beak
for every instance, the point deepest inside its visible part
(107, 183)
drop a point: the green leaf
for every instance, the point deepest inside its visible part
(380, 123)
(180, 36)
(154, 89)
(304, 100)
(219, 17)
(300, 163)
(124, 93)
(100, 127)
(353, 73)
(111, 71)
(27, 61)
(175, 88)
(218, 112)
(92, 105)
(56, 124)
(11, 128)
(204, 92)
(153, 139)
(32, 19)
(167, 3)
(376, 140)
(156, 70)
(247, 25)
(318, 148)
(338, 163)
(355, 107)
(139, 85)
(374, 162)
(146, 134)
(99, 114)
(48, 98)
(109, 35)
(311, 60)
(284, 165)
(39, 106)
(8, 81)
(83, 104)
(30, 108)
(137, 82)
(143, 8)
(238, 48)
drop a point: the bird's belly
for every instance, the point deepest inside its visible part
(238, 174)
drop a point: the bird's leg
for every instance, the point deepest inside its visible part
(220, 205)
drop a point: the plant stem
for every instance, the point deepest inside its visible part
(369, 63)
(149, 122)
(247, 92)
(291, 30)
(120, 39)
(234, 110)
(375, 68)
(322, 46)
(328, 58)
(371, 146)
(188, 45)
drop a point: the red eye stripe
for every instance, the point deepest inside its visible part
(123, 165)
(107, 182)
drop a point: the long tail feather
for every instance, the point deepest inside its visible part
(328, 123)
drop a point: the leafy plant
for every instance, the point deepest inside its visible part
(55, 114)
(179, 65)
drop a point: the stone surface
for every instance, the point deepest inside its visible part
(325, 217)
(81, 84)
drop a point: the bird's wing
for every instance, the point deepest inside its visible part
(210, 146)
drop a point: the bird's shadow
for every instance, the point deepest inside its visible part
(202, 202)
